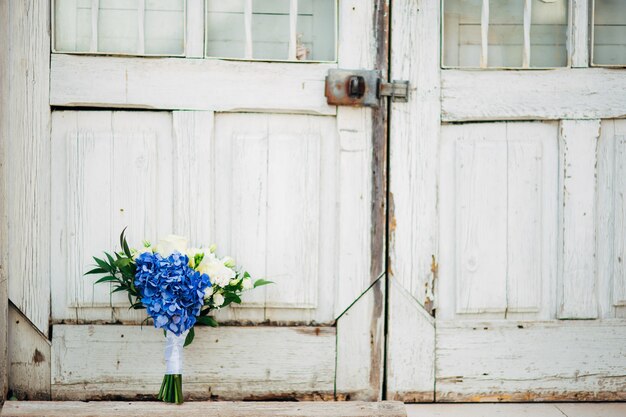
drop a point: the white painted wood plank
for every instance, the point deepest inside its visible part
(192, 137)
(619, 231)
(590, 93)
(577, 294)
(414, 149)
(611, 209)
(29, 359)
(532, 218)
(207, 409)
(171, 83)
(484, 34)
(5, 115)
(481, 219)
(27, 160)
(410, 348)
(606, 199)
(194, 36)
(531, 361)
(498, 188)
(575, 409)
(579, 47)
(360, 347)
(280, 173)
(263, 362)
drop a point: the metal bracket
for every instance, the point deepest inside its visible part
(360, 88)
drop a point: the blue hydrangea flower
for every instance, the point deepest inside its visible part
(171, 291)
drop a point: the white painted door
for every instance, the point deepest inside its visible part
(507, 202)
(242, 151)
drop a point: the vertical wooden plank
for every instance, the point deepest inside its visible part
(247, 21)
(27, 163)
(95, 12)
(484, 35)
(414, 171)
(29, 353)
(361, 41)
(141, 30)
(410, 354)
(527, 22)
(414, 149)
(293, 29)
(193, 157)
(577, 261)
(618, 233)
(194, 31)
(579, 46)
(5, 65)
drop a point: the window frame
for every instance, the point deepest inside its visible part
(592, 30)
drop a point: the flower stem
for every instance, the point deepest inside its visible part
(171, 389)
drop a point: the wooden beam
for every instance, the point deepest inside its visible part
(206, 409)
(5, 114)
(27, 160)
(590, 93)
(207, 84)
(29, 359)
(579, 46)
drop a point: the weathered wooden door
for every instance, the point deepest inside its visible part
(507, 215)
(215, 126)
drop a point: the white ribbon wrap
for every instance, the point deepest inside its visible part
(174, 353)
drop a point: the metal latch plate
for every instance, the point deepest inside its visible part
(361, 88)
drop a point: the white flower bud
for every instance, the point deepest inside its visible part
(247, 284)
(218, 300)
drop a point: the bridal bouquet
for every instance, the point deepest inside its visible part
(179, 287)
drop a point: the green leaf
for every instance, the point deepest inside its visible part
(189, 337)
(261, 282)
(96, 271)
(124, 244)
(110, 258)
(207, 321)
(122, 262)
(102, 264)
(118, 289)
(108, 278)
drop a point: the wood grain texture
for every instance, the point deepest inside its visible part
(414, 149)
(360, 330)
(590, 93)
(188, 84)
(360, 347)
(27, 163)
(227, 363)
(579, 47)
(29, 359)
(574, 409)
(611, 218)
(5, 116)
(410, 348)
(194, 26)
(207, 409)
(577, 289)
(498, 207)
(531, 361)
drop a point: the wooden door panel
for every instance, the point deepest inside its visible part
(111, 361)
(498, 199)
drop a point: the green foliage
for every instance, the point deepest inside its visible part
(119, 270)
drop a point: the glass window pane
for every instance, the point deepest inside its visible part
(119, 26)
(609, 32)
(462, 33)
(268, 34)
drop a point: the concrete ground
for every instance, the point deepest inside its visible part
(518, 410)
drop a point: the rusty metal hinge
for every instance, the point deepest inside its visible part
(362, 88)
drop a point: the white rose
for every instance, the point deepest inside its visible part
(247, 284)
(191, 254)
(208, 291)
(218, 300)
(218, 273)
(170, 244)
